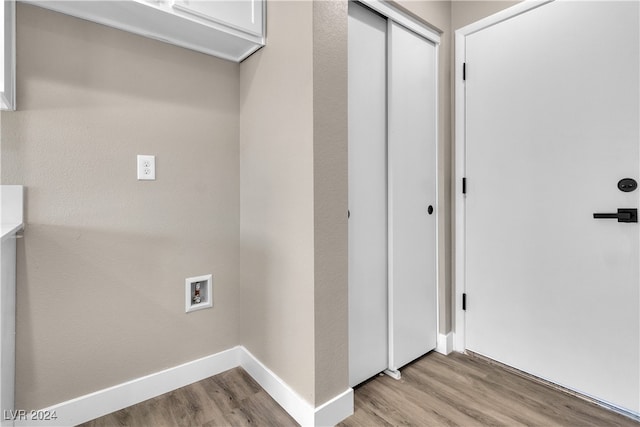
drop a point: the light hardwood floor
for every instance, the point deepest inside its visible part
(232, 398)
(436, 390)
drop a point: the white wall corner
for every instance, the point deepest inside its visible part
(301, 410)
(327, 414)
(444, 343)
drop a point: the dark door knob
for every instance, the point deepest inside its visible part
(430, 210)
(627, 185)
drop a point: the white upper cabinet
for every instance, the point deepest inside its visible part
(7, 54)
(229, 29)
(243, 15)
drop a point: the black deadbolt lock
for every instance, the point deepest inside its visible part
(627, 185)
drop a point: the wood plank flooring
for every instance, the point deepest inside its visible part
(436, 390)
(460, 390)
(232, 398)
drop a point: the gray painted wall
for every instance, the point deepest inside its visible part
(102, 265)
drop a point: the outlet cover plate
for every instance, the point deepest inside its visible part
(146, 167)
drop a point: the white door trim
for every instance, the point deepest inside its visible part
(459, 343)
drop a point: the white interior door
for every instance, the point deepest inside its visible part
(368, 341)
(552, 126)
(412, 189)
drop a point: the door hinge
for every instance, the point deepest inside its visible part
(464, 301)
(464, 71)
(464, 185)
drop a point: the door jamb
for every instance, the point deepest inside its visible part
(459, 284)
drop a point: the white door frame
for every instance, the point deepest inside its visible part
(459, 343)
(387, 10)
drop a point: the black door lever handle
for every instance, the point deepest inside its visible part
(623, 215)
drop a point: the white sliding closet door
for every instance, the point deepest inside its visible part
(392, 229)
(368, 341)
(412, 189)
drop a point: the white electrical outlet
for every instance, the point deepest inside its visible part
(146, 167)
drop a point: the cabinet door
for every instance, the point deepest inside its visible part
(7, 55)
(243, 15)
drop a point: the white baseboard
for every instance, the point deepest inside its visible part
(102, 402)
(335, 410)
(88, 407)
(296, 406)
(444, 343)
(327, 414)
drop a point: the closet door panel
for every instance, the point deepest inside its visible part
(412, 189)
(368, 341)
